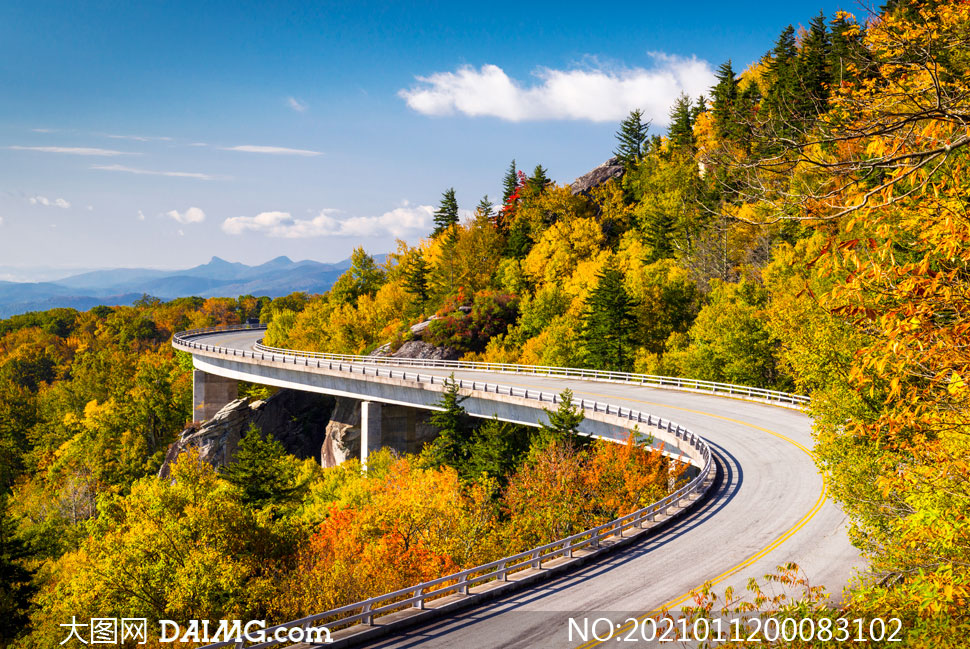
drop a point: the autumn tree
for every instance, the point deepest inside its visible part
(730, 341)
(364, 277)
(180, 548)
(880, 180)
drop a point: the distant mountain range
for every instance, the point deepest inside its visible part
(218, 278)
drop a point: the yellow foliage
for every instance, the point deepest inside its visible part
(583, 279)
(561, 248)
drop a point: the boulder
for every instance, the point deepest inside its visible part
(601, 174)
(418, 330)
(427, 351)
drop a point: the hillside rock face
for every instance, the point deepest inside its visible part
(298, 420)
(427, 351)
(606, 171)
(342, 438)
(419, 348)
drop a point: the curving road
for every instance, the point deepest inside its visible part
(768, 507)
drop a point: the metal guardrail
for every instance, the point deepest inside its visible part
(351, 364)
(417, 596)
(776, 397)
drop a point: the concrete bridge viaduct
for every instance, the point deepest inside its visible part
(768, 504)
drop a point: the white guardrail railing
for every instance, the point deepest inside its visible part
(417, 596)
(775, 397)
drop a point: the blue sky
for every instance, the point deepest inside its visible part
(137, 134)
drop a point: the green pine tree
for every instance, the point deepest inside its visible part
(447, 213)
(659, 232)
(496, 449)
(564, 421)
(15, 577)
(700, 106)
(510, 182)
(416, 277)
(726, 95)
(681, 131)
(263, 471)
(846, 52)
(483, 211)
(451, 447)
(812, 70)
(537, 181)
(608, 323)
(632, 138)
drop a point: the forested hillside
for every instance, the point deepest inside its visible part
(804, 226)
(91, 402)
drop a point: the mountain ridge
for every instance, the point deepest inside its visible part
(215, 278)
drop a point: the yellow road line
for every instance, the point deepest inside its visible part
(750, 560)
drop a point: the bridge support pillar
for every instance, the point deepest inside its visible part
(210, 393)
(370, 429)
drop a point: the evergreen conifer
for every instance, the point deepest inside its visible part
(846, 53)
(483, 211)
(813, 70)
(416, 277)
(447, 213)
(452, 446)
(681, 132)
(632, 138)
(509, 182)
(537, 181)
(564, 421)
(726, 95)
(608, 323)
(262, 471)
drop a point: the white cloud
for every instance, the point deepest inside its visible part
(296, 104)
(198, 144)
(400, 222)
(181, 233)
(150, 172)
(138, 138)
(598, 95)
(90, 208)
(42, 130)
(47, 202)
(275, 150)
(141, 215)
(191, 215)
(73, 150)
(1, 220)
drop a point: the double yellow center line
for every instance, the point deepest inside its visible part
(747, 562)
